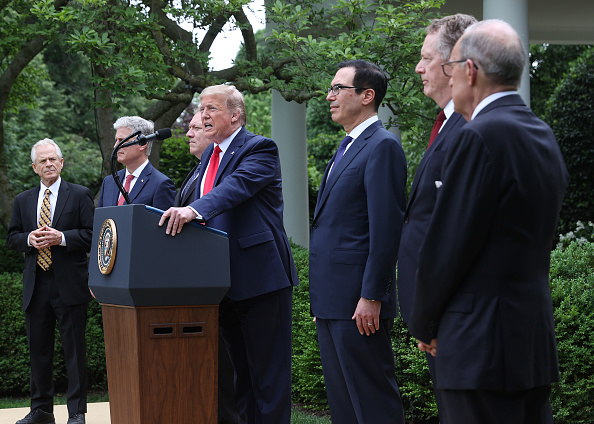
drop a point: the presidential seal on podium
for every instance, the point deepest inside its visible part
(108, 241)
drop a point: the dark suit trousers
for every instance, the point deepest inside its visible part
(493, 407)
(257, 334)
(438, 399)
(45, 308)
(360, 373)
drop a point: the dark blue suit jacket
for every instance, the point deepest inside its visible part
(184, 198)
(423, 193)
(247, 203)
(152, 188)
(74, 218)
(356, 227)
(482, 287)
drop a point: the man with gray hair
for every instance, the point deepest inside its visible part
(482, 305)
(144, 183)
(442, 35)
(52, 224)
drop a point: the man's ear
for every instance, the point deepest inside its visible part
(235, 116)
(471, 72)
(368, 96)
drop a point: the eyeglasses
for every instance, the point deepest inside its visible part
(448, 66)
(335, 89)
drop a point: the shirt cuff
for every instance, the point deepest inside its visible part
(198, 216)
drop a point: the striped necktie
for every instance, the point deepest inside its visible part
(44, 256)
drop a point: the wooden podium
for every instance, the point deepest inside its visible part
(160, 315)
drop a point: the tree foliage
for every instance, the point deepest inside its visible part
(571, 116)
(548, 65)
(319, 35)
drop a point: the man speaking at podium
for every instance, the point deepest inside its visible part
(239, 191)
(197, 143)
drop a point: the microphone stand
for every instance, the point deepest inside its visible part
(114, 158)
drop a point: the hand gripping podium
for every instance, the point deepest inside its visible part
(159, 296)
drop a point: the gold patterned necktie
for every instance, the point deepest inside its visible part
(44, 256)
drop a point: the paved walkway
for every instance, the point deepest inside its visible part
(97, 413)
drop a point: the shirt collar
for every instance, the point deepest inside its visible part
(226, 142)
(53, 188)
(449, 109)
(490, 99)
(358, 130)
(138, 170)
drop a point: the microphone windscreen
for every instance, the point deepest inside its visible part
(163, 133)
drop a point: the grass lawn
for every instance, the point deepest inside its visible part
(298, 415)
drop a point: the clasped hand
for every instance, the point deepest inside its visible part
(45, 237)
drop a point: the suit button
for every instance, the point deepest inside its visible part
(406, 219)
(313, 227)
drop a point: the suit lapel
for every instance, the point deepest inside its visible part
(235, 145)
(63, 194)
(435, 146)
(141, 181)
(329, 181)
(32, 206)
(190, 190)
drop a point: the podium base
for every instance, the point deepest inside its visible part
(162, 363)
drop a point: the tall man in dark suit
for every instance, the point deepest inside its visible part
(239, 191)
(145, 184)
(198, 142)
(482, 303)
(442, 35)
(353, 249)
(53, 225)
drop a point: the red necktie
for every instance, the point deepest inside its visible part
(438, 123)
(129, 179)
(211, 173)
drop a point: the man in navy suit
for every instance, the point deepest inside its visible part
(353, 249)
(482, 303)
(442, 35)
(147, 185)
(239, 191)
(55, 282)
(198, 143)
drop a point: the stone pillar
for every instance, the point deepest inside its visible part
(515, 13)
(289, 133)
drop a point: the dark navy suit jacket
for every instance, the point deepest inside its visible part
(247, 203)
(152, 188)
(183, 198)
(356, 227)
(423, 193)
(73, 216)
(482, 286)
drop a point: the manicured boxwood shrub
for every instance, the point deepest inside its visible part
(14, 351)
(572, 289)
(412, 371)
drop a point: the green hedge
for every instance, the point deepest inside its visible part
(572, 290)
(572, 281)
(14, 351)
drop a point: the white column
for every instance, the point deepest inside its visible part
(384, 114)
(515, 13)
(289, 132)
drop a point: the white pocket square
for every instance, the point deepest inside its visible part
(438, 184)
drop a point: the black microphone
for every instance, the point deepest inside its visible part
(161, 134)
(142, 139)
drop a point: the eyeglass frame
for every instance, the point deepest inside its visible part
(451, 62)
(339, 87)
